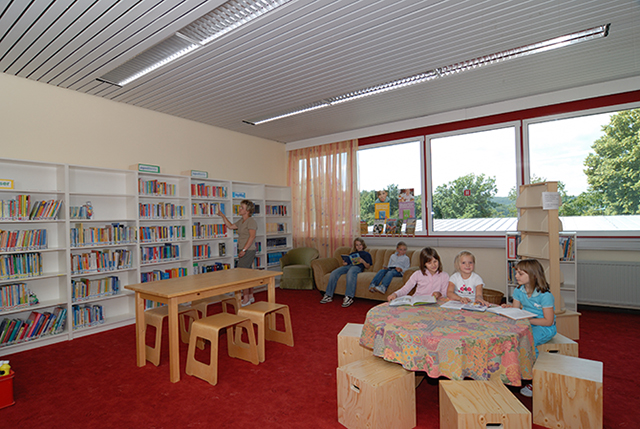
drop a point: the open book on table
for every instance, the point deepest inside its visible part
(511, 312)
(413, 300)
(457, 305)
(352, 259)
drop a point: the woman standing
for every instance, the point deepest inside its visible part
(247, 228)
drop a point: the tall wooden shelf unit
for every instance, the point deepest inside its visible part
(119, 199)
(540, 237)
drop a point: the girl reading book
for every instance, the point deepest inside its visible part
(430, 280)
(533, 295)
(362, 262)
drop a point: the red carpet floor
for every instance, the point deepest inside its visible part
(94, 381)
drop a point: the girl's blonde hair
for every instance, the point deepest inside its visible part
(359, 240)
(535, 271)
(456, 260)
(427, 255)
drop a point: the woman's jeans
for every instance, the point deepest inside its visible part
(352, 272)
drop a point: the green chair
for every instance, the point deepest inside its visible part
(296, 268)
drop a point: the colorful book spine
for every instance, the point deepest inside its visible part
(162, 211)
(101, 260)
(154, 254)
(156, 188)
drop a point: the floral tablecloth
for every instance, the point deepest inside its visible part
(451, 343)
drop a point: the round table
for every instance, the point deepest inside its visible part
(452, 343)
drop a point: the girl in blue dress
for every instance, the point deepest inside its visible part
(533, 295)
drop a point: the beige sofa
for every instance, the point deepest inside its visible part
(323, 267)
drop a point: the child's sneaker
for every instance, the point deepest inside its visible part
(371, 287)
(527, 391)
(347, 301)
(326, 299)
(380, 289)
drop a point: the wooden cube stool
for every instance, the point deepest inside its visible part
(567, 392)
(349, 348)
(560, 344)
(263, 314)
(209, 328)
(155, 317)
(376, 394)
(473, 404)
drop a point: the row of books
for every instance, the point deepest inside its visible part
(85, 316)
(84, 289)
(14, 296)
(32, 239)
(567, 248)
(206, 209)
(20, 266)
(102, 260)
(166, 252)
(115, 233)
(392, 226)
(277, 210)
(236, 209)
(274, 258)
(276, 227)
(199, 269)
(152, 234)
(202, 190)
(162, 211)
(21, 208)
(276, 242)
(204, 251)
(209, 230)
(13, 331)
(155, 187)
(81, 212)
(155, 275)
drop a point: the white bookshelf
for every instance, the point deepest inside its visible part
(118, 201)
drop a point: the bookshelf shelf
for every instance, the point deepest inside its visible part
(114, 198)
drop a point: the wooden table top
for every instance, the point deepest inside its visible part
(178, 286)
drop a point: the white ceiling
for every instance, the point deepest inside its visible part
(308, 50)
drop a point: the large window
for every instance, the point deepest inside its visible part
(391, 169)
(596, 161)
(473, 180)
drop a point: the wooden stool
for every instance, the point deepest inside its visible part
(202, 307)
(262, 311)
(474, 404)
(560, 344)
(567, 392)
(155, 317)
(376, 394)
(349, 348)
(209, 328)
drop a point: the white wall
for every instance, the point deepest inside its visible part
(45, 123)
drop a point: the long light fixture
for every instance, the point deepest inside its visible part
(204, 30)
(547, 45)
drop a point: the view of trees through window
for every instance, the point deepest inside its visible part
(595, 159)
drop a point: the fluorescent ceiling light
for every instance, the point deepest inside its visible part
(215, 24)
(555, 43)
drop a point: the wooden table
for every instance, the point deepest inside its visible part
(173, 292)
(451, 343)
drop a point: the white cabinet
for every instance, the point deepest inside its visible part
(279, 229)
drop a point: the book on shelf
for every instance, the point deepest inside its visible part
(352, 259)
(413, 300)
(364, 227)
(411, 226)
(391, 226)
(378, 226)
(399, 224)
(511, 312)
(406, 204)
(512, 249)
(222, 249)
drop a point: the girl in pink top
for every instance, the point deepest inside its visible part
(430, 280)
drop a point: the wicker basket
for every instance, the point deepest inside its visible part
(492, 296)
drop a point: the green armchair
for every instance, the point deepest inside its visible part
(296, 268)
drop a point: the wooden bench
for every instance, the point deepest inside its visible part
(567, 392)
(474, 404)
(560, 344)
(376, 394)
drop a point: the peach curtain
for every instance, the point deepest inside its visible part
(324, 196)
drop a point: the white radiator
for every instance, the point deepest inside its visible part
(609, 283)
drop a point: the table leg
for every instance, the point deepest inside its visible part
(141, 330)
(174, 352)
(271, 290)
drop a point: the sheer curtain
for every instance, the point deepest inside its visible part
(324, 196)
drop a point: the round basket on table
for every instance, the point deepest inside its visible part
(492, 296)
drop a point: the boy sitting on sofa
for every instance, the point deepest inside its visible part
(398, 263)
